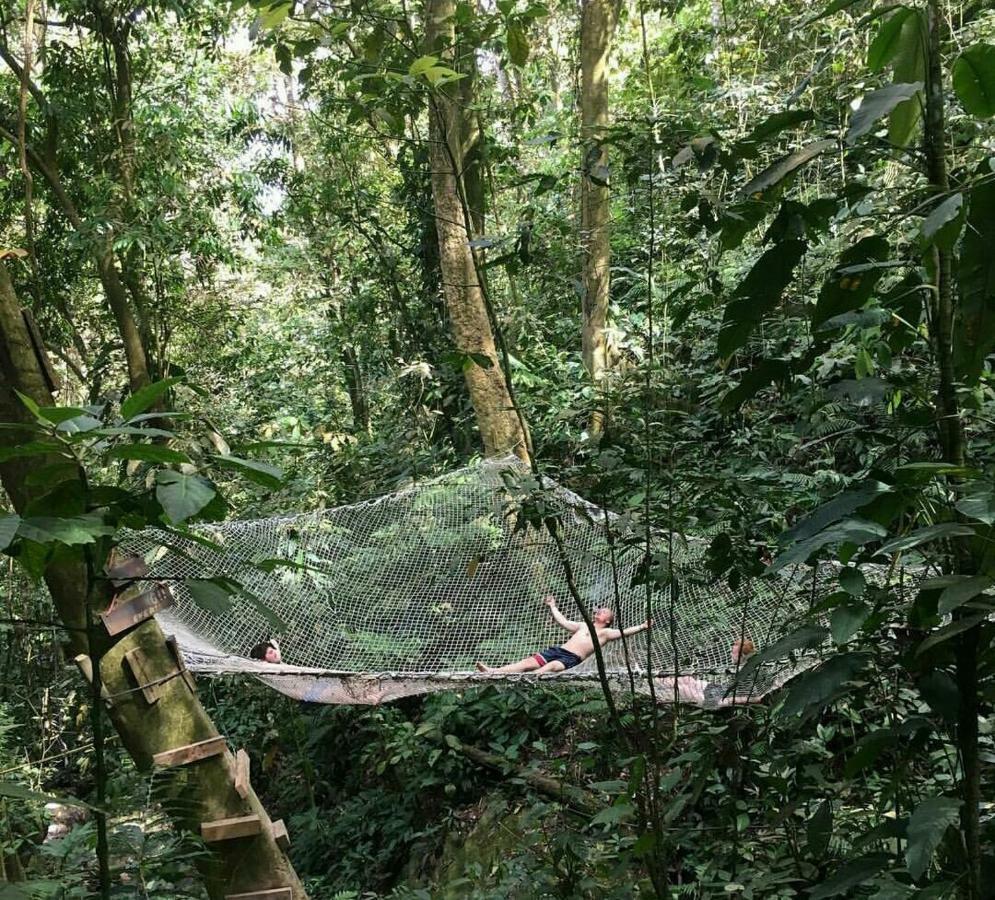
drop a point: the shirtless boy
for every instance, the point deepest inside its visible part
(578, 648)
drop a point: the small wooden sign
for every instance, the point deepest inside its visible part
(242, 774)
(127, 610)
(123, 569)
(189, 753)
(180, 664)
(138, 663)
(281, 893)
(229, 829)
(280, 835)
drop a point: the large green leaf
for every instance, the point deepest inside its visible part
(147, 453)
(58, 414)
(805, 638)
(942, 226)
(842, 505)
(974, 325)
(143, 398)
(930, 533)
(978, 504)
(887, 42)
(31, 448)
(958, 626)
(847, 620)
(878, 104)
(853, 279)
(927, 825)
(756, 379)
(774, 174)
(182, 496)
(849, 531)
(8, 528)
(818, 687)
(518, 43)
(259, 472)
(69, 530)
(960, 592)
(974, 80)
(758, 293)
(771, 126)
(850, 875)
(908, 67)
(211, 594)
(820, 829)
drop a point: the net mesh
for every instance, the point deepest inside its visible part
(403, 594)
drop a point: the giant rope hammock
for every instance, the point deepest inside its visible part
(403, 594)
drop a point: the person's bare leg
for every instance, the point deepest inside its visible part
(550, 667)
(528, 664)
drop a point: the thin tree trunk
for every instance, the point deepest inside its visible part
(501, 429)
(598, 19)
(953, 441)
(191, 794)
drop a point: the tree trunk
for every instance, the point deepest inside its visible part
(192, 794)
(598, 20)
(953, 442)
(501, 429)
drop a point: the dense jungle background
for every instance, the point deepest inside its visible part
(724, 266)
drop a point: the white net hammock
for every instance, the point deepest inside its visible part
(403, 594)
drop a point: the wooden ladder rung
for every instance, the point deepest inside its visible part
(188, 753)
(242, 783)
(151, 687)
(280, 835)
(229, 829)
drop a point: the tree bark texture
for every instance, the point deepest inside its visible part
(598, 20)
(953, 442)
(192, 794)
(501, 429)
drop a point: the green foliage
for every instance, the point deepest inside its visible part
(974, 80)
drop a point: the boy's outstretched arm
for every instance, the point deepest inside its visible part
(558, 617)
(614, 633)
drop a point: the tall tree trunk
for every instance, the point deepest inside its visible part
(191, 794)
(954, 444)
(501, 429)
(598, 19)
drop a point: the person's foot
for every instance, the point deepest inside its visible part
(482, 668)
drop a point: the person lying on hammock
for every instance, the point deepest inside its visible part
(696, 690)
(267, 651)
(578, 648)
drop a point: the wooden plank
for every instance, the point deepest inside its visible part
(181, 756)
(180, 664)
(229, 829)
(85, 665)
(137, 661)
(242, 783)
(128, 610)
(280, 835)
(280, 893)
(123, 569)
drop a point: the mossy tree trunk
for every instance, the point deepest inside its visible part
(501, 428)
(203, 791)
(598, 20)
